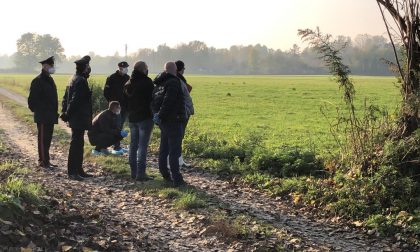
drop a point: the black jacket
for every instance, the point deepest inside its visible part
(114, 88)
(77, 103)
(43, 100)
(105, 122)
(139, 90)
(170, 97)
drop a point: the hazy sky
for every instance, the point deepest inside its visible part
(104, 26)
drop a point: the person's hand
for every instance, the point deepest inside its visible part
(124, 133)
(156, 118)
(64, 117)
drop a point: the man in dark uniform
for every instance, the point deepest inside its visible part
(43, 102)
(77, 111)
(114, 91)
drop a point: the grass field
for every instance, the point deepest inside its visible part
(284, 109)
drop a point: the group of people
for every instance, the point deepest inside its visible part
(164, 101)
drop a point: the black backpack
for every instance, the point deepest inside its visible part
(159, 92)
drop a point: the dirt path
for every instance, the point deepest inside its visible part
(154, 217)
(147, 218)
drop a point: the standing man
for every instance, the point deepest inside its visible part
(114, 91)
(189, 106)
(43, 102)
(77, 110)
(169, 113)
(139, 91)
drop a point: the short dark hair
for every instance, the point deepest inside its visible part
(179, 65)
(113, 104)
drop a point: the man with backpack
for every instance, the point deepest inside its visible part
(169, 113)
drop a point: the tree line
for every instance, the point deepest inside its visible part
(364, 54)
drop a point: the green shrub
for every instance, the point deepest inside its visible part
(387, 224)
(205, 145)
(286, 161)
(385, 192)
(404, 153)
(99, 102)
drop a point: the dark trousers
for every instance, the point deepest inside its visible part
(45, 133)
(184, 127)
(75, 159)
(102, 140)
(121, 120)
(170, 144)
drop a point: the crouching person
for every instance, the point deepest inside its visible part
(106, 130)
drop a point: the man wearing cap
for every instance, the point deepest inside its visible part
(43, 102)
(189, 106)
(77, 111)
(114, 91)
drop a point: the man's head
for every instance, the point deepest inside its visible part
(142, 67)
(123, 67)
(180, 67)
(170, 68)
(83, 67)
(48, 65)
(115, 107)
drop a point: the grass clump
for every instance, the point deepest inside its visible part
(189, 200)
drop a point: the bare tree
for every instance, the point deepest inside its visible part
(401, 18)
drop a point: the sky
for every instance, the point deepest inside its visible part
(105, 26)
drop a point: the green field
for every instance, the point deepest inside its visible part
(285, 109)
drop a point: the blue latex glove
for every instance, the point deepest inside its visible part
(156, 118)
(124, 133)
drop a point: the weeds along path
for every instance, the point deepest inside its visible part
(274, 211)
(150, 215)
(149, 220)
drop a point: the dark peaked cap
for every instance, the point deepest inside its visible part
(123, 64)
(83, 61)
(49, 61)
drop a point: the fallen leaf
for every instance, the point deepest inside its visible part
(66, 248)
(358, 223)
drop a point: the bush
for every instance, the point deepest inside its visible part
(287, 161)
(404, 153)
(204, 145)
(99, 102)
(385, 192)
(387, 224)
